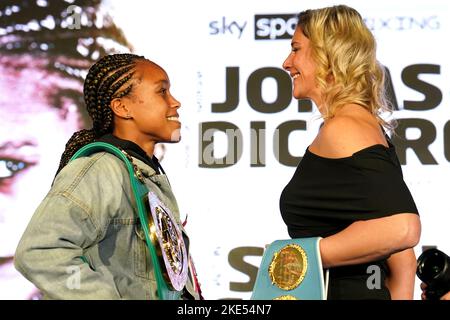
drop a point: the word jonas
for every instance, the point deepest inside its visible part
(411, 77)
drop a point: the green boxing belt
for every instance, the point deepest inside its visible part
(164, 238)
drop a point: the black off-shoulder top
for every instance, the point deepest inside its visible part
(325, 195)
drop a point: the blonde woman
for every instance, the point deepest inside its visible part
(349, 188)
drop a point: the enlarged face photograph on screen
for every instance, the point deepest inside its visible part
(42, 67)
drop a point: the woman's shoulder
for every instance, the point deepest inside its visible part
(96, 183)
(96, 167)
(344, 135)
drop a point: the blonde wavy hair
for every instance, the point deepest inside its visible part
(344, 50)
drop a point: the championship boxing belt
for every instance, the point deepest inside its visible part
(291, 270)
(164, 237)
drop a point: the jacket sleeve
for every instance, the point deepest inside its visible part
(50, 253)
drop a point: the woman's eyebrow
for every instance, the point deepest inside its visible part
(15, 145)
(162, 81)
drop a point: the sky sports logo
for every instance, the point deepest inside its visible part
(275, 26)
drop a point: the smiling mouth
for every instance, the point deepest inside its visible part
(173, 118)
(295, 76)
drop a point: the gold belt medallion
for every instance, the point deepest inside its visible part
(288, 267)
(286, 297)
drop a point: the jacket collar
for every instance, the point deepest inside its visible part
(133, 150)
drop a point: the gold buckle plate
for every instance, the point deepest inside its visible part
(288, 267)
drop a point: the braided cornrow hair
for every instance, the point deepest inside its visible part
(107, 79)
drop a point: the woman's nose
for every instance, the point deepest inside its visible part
(175, 103)
(287, 63)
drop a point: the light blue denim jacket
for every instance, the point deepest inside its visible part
(89, 212)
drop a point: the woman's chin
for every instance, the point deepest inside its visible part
(175, 136)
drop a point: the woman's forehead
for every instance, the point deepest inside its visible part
(150, 71)
(299, 36)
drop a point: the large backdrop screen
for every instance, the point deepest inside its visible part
(242, 132)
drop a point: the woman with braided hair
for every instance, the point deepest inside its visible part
(84, 240)
(100, 88)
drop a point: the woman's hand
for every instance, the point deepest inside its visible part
(423, 286)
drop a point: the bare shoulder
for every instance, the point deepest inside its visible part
(344, 135)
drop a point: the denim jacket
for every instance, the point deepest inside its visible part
(89, 213)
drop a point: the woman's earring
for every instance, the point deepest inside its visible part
(128, 116)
